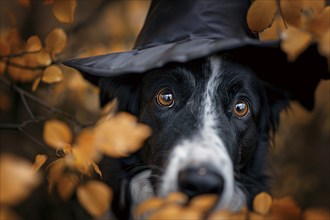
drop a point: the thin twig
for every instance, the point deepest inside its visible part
(27, 107)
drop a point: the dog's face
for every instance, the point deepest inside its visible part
(210, 119)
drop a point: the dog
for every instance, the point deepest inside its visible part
(211, 120)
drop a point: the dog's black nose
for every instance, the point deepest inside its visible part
(194, 181)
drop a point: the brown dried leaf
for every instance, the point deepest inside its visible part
(39, 160)
(33, 44)
(96, 168)
(2, 67)
(148, 206)
(262, 203)
(203, 202)
(66, 185)
(56, 169)
(291, 11)
(43, 58)
(274, 32)
(320, 24)
(56, 40)
(57, 134)
(52, 74)
(36, 83)
(121, 135)
(316, 213)
(17, 179)
(25, 3)
(64, 10)
(294, 42)
(285, 209)
(4, 48)
(261, 15)
(95, 197)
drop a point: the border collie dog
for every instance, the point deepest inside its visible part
(211, 120)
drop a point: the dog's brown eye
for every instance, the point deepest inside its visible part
(165, 97)
(241, 108)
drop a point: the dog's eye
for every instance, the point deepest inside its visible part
(241, 108)
(165, 97)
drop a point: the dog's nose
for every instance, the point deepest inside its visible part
(194, 181)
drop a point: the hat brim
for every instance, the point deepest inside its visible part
(266, 59)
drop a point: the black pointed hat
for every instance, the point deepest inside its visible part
(184, 30)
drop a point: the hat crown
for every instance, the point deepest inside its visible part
(182, 20)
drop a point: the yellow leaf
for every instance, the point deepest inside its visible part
(39, 160)
(261, 15)
(291, 11)
(17, 179)
(33, 44)
(36, 83)
(95, 197)
(43, 58)
(64, 10)
(52, 74)
(57, 134)
(294, 42)
(66, 186)
(56, 40)
(121, 135)
(55, 172)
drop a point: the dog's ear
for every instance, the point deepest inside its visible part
(277, 100)
(124, 88)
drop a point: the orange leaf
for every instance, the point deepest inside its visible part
(274, 32)
(17, 179)
(294, 42)
(85, 143)
(291, 11)
(121, 135)
(261, 15)
(313, 8)
(36, 83)
(56, 40)
(39, 160)
(55, 172)
(4, 48)
(97, 169)
(95, 197)
(262, 203)
(33, 44)
(64, 10)
(52, 74)
(324, 46)
(66, 185)
(57, 134)
(43, 58)
(320, 24)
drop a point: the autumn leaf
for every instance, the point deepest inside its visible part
(39, 160)
(52, 74)
(33, 44)
(294, 42)
(95, 197)
(66, 185)
(57, 134)
(320, 24)
(2, 67)
(56, 40)
(291, 11)
(121, 135)
(8, 214)
(64, 10)
(55, 172)
(17, 179)
(261, 15)
(43, 58)
(262, 203)
(274, 32)
(85, 142)
(4, 48)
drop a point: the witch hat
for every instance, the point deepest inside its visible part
(184, 30)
